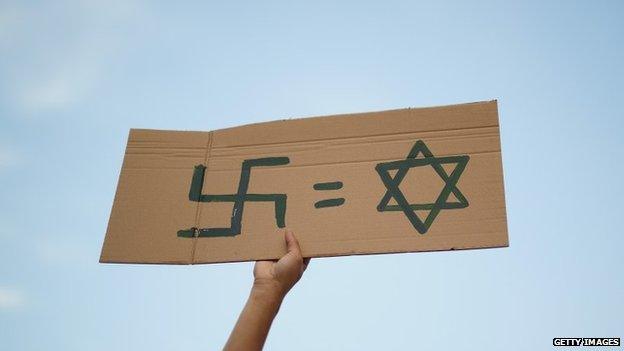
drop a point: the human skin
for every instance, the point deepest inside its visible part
(272, 281)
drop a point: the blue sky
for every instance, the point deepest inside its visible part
(76, 75)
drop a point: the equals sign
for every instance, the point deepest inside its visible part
(329, 202)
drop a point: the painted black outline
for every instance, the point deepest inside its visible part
(238, 199)
(403, 166)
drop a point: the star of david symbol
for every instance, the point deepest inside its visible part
(411, 161)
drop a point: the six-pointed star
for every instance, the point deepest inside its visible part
(403, 166)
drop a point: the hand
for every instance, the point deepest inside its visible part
(273, 279)
(280, 276)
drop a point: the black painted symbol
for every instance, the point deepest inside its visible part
(328, 186)
(441, 203)
(329, 202)
(238, 199)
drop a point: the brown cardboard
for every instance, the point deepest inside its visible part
(153, 201)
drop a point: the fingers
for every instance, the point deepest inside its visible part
(306, 261)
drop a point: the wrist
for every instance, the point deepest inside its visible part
(265, 297)
(268, 291)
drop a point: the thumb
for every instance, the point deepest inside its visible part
(292, 245)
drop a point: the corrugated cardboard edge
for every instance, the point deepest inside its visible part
(108, 225)
(502, 170)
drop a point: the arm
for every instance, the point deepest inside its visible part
(272, 280)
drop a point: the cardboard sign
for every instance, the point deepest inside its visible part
(381, 182)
